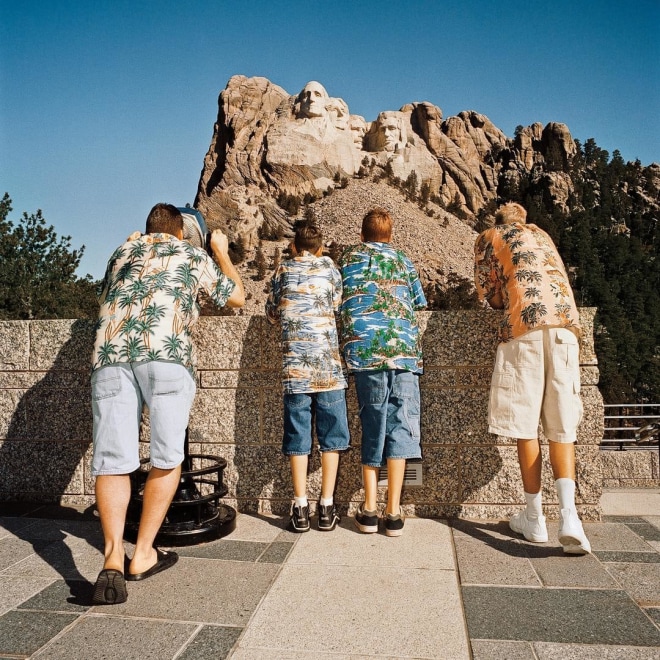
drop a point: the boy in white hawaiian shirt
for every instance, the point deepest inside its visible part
(305, 294)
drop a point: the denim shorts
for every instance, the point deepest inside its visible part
(118, 392)
(329, 409)
(537, 378)
(389, 412)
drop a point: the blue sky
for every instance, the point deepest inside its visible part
(108, 107)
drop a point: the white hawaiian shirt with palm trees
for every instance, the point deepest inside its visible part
(148, 301)
(304, 296)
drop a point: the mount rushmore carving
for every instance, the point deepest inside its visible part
(268, 143)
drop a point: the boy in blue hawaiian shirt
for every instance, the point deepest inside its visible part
(382, 348)
(305, 294)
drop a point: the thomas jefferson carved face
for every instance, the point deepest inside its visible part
(312, 101)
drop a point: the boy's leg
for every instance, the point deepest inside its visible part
(329, 468)
(370, 480)
(529, 459)
(396, 470)
(299, 474)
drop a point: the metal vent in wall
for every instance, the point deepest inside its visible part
(412, 476)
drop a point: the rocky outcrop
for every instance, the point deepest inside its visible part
(270, 146)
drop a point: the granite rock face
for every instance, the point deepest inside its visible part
(268, 143)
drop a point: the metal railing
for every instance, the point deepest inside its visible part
(631, 426)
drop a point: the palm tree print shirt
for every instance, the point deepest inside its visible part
(521, 264)
(305, 294)
(148, 301)
(378, 322)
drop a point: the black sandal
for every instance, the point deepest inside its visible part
(110, 588)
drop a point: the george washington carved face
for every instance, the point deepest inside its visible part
(312, 101)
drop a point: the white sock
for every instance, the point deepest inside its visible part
(326, 501)
(534, 508)
(300, 501)
(566, 493)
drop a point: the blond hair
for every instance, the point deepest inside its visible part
(509, 213)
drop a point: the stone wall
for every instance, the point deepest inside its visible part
(46, 425)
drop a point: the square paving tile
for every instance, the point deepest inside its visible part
(260, 528)
(646, 530)
(15, 590)
(654, 613)
(641, 581)
(486, 649)
(546, 651)
(573, 571)
(358, 600)
(211, 642)
(557, 615)
(425, 543)
(14, 550)
(631, 557)
(276, 553)
(201, 590)
(226, 549)
(110, 637)
(22, 633)
(60, 596)
(497, 562)
(615, 537)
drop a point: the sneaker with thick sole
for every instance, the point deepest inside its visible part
(394, 524)
(328, 517)
(300, 518)
(366, 521)
(533, 530)
(571, 533)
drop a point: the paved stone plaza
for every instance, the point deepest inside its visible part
(446, 589)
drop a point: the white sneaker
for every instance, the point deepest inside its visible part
(533, 530)
(571, 533)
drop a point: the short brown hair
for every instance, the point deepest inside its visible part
(509, 213)
(164, 219)
(377, 226)
(308, 237)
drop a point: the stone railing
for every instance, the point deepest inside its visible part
(46, 421)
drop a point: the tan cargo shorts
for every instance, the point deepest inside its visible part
(536, 378)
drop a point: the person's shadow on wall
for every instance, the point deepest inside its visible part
(44, 455)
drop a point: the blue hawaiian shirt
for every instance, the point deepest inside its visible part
(305, 294)
(378, 323)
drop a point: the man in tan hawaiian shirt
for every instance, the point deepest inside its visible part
(537, 368)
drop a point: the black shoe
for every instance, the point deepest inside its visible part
(366, 521)
(328, 517)
(300, 518)
(393, 524)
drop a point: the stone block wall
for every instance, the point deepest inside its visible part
(46, 424)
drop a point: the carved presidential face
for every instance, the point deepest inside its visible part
(338, 111)
(312, 100)
(390, 133)
(358, 128)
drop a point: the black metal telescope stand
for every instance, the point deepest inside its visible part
(192, 517)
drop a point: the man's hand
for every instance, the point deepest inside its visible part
(219, 242)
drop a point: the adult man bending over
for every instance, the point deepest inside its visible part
(143, 353)
(537, 367)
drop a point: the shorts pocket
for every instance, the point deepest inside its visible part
(166, 379)
(499, 404)
(370, 389)
(566, 353)
(105, 384)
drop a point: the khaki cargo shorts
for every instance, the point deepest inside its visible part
(537, 379)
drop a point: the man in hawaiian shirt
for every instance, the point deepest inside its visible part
(143, 353)
(380, 340)
(305, 294)
(537, 367)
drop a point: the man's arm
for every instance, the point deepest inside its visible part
(220, 246)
